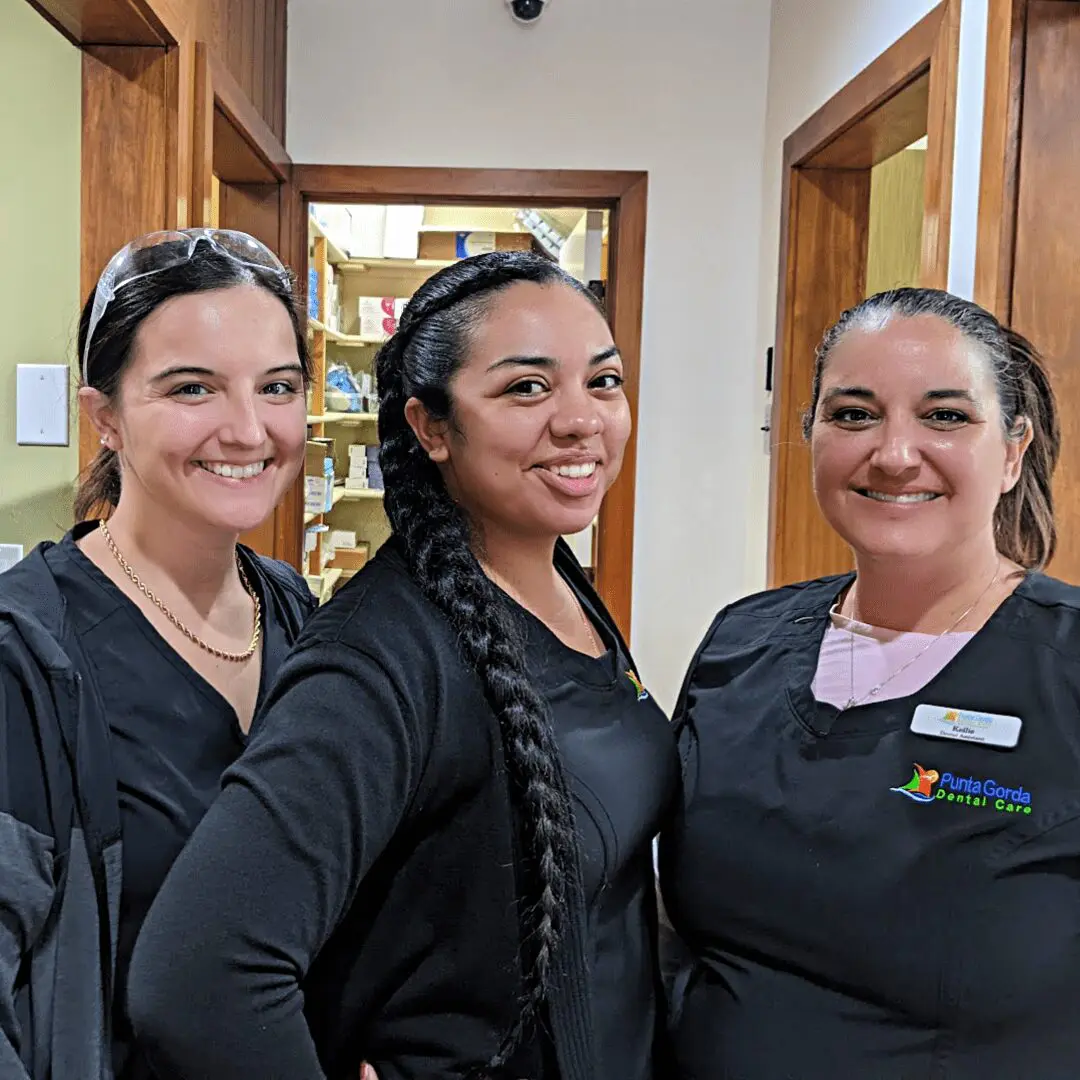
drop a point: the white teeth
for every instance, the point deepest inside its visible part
(910, 497)
(575, 471)
(234, 472)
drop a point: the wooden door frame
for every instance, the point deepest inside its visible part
(908, 91)
(999, 177)
(223, 113)
(623, 193)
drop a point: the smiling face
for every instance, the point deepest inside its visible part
(910, 454)
(209, 420)
(539, 418)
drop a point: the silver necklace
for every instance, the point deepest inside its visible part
(852, 700)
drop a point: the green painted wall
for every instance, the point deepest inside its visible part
(41, 91)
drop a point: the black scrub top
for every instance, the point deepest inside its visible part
(845, 928)
(173, 734)
(619, 756)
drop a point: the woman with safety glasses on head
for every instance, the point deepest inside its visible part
(134, 652)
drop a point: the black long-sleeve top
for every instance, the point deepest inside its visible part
(351, 895)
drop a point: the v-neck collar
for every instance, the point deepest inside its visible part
(87, 565)
(804, 629)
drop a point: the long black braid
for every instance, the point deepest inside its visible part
(420, 361)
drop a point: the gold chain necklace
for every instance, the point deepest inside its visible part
(221, 654)
(581, 611)
(852, 700)
(574, 602)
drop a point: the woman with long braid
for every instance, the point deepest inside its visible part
(435, 855)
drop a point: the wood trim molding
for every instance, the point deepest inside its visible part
(999, 171)
(941, 140)
(239, 111)
(180, 95)
(626, 268)
(202, 156)
(624, 193)
(541, 187)
(902, 63)
(101, 22)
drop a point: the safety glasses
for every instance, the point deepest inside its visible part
(158, 251)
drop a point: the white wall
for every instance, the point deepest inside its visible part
(815, 50)
(677, 89)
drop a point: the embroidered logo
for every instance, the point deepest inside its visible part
(928, 785)
(921, 785)
(642, 693)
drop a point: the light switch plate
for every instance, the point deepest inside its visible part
(41, 405)
(10, 554)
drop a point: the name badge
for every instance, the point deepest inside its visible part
(990, 729)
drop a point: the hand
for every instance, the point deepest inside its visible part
(368, 1073)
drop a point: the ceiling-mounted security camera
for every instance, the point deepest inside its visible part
(526, 11)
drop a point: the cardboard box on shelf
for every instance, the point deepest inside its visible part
(379, 315)
(352, 558)
(318, 494)
(356, 483)
(342, 538)
(461, 245)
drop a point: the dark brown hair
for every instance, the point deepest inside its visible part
(420, 361)
(115, 336)
(1024, 528)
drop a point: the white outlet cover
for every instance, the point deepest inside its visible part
(10, 554)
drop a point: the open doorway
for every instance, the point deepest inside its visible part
(866, 206)
(364, 262)
(592, 222)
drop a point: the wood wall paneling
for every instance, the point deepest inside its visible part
(1000, 155)
(257, 147)
(249, 38)
(1046, 272)
(125, 157)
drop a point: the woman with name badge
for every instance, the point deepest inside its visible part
(876, 863)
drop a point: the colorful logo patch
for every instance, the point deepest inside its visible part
(642, 693)
(920, 787)
(928, 785)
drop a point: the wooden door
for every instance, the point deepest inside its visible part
(1045, 301)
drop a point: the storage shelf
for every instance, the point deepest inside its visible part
(334, 254)
(336, 497)
(338, 338)
(349, 419)
(379, 265)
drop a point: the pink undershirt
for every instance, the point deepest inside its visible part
(877, 654)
